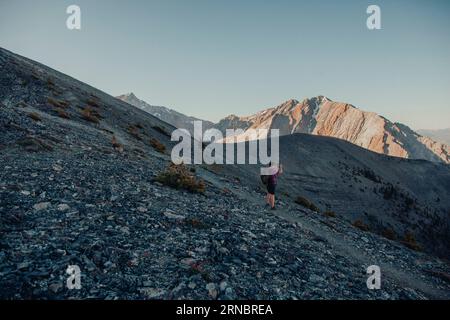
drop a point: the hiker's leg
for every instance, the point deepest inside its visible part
(272, 200)
(268, 198)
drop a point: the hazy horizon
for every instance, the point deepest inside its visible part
(209, 59)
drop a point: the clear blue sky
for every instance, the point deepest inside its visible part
(216, 57)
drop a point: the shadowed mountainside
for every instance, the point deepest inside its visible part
(388, 194)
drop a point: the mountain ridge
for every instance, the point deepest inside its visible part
(320, 116)
(166, 114)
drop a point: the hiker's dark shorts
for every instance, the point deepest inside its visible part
(271, 188)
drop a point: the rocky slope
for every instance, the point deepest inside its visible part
(321, 116)
(442, 135)
(387, 194)
(170, 116)
(77, 186)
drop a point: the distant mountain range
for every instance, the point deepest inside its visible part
(442, 135)
(324, 117)
(170, 116)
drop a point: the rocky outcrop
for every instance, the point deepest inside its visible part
(442, 135)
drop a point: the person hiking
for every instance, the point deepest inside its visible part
(271, 183)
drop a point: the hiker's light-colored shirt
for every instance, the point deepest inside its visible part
(273, 170)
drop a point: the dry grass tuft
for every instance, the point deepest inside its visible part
(50, 82)
(330, 214)
(389, 234)
(58, 103)
(62, 114)
(35, 116)
(306, 203)
(32, 144)
(196, 223)
(179, 177)
(90, 115)
(158, 146)
(134, 132)
(361, 225)
(116, 145)
(93, 103)
(410, 241)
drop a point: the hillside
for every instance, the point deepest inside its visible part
(176, 119)
(389, 195)
(81, 184)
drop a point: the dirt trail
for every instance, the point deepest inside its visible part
(403, 279)
(338, 242)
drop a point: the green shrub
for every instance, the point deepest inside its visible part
(389, 192)
(368, 174)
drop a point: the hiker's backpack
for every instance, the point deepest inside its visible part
(265, 179)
